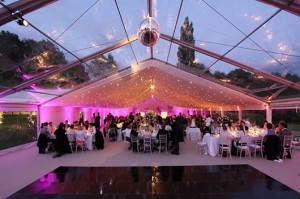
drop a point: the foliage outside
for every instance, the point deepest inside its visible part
(17, 129)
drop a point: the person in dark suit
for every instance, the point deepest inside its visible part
(99, 139)
(180, 123)
(283, 130)
(97, 120)
(61, 141)
(270, 131)
(135, 134)
(162, 131)
(176, 135)
(43, 138)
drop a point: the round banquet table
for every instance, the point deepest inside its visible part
(119, 136)
(143, 133)
(213, 143)
(193, 133)
(89, 141)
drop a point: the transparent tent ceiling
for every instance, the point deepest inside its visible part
(247, 46)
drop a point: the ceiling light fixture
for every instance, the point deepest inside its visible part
(19, 17)
(22, 22)
(149, 32)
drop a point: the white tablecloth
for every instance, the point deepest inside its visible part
(119, 136)
(89, 141)
(143, 133)
(193, 133)
(213, 143)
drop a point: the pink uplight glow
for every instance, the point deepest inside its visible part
(26, 76)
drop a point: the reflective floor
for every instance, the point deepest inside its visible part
(209, 182)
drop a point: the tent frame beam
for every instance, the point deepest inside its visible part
(24, 7)
(67, 66)
(231, 61)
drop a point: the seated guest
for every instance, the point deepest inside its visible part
(215, 128)
(243, 126)
(240, 131)
(112, 131)
(67, 125)
(283, 130)
(168, 126)
(71, 133)
(270, 131)
(233, 126)
(162, 131)
(127, 133)
(92, 128)
(80, 133)
(125, 124)
(76, 124)
(151, 127)
(43, 138)
(224, 131)
(134, 133)
(264, 126)
(272, 148)
(61, 141)
(51, 128)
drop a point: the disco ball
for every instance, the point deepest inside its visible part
(149, 32)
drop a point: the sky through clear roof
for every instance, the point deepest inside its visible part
(261, 39)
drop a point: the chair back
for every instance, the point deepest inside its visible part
(112, 131)
(244, 140)
(80, 136)
(71, 137)
(147, 140)
(225, 140)
(194, 134)
(287, 140)
(163, 138)
(259, 142)
(133, 138)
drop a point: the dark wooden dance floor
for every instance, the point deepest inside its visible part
(207, 182)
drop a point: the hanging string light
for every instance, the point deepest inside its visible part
(152, 87)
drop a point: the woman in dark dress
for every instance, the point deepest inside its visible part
(61, 141)
(99, 140)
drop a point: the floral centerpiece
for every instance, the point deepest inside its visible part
(224, 120)
(150, 116)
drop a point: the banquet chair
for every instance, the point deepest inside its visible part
(194, 135)
(147, 143)
(225, 146)
(163, 143)
(295, 143)
(72, 141)
(257, 146)
(112, 134)
(126, 144)
(287, 144)
(201, 146)
(80, 141)
(243, 147)
(135, 144)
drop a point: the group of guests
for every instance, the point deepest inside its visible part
(274, 141)
(58, 139)
(173, 126)
(272, 136)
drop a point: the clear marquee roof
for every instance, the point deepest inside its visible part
(87, 53)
